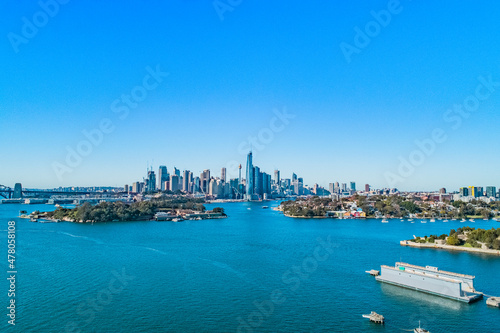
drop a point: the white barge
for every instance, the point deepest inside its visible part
(431, 280)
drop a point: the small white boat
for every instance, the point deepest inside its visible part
(453, 219)
(472, 220)
(445, 221)
(463, 220)
(420, 329)
(423, 221)
(409, 220)
(385, 221)
(433, 220)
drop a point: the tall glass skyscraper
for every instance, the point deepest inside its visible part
(250, 177)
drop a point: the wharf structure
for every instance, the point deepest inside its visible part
(431, 280)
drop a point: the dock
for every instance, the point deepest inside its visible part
(375, 317)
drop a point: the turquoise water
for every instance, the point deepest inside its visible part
(214, 275)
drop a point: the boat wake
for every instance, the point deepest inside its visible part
(82, 237)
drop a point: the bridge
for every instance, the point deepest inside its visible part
(18, 192)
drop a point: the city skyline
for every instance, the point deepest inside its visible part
(359, 107)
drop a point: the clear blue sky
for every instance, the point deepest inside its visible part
(352, 120)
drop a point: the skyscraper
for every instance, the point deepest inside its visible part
(249, 177)
(367, 187)
(464, 191)
(277, 177)
(353, 186)
(162, 177)
(223, 175)
(185, 181)
(239, 178)
(491, 191)
(151, 181)
(174, 182)
(257, 180)
(205, 181)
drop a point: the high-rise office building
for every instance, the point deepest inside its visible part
(442, 191)
(331, 188)
(266, 183)
(277, 177)
(337, 187)
(239, 177)
(163, 176)
(344, 187)
(257, 180)
(249, 177)
(367, 188)
(174, 183)
(205, 181)
(177, 172)
(491, 191)
(480, 192)
(185, 180)
(196, 184)
(464, 191)
(473, 191)
(151, 181)
(223, 174)
(294, 177)
(136, 187)
(353, 186)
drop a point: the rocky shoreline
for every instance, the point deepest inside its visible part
(449, 247)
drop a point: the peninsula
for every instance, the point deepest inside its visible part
(179, 207)
(463, 239)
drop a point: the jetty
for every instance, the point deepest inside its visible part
(373, 272)
(375, 317)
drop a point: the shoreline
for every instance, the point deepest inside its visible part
(448, 247)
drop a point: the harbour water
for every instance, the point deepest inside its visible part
(222, 275)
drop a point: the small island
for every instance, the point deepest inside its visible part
(463, 239)
(160, 209)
